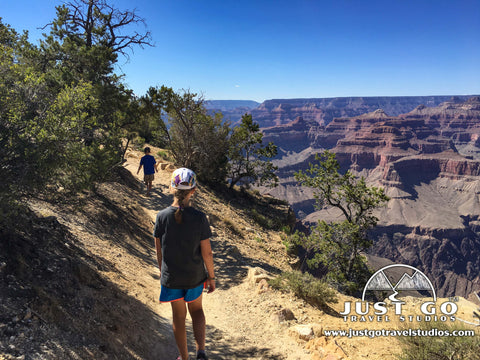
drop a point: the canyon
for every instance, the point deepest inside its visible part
(232, 110)
(424, 151)
(324, 110)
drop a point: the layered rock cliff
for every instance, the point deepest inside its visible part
(232, 110)
(323, 110)
(427, 160)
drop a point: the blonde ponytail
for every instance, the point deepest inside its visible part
(180, 195)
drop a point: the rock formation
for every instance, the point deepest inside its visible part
(232, 110)
(324, 110)
(427, 159)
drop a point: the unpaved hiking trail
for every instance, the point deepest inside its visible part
(239, 320)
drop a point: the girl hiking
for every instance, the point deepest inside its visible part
(182, 240)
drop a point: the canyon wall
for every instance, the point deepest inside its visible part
(323, 110)
(428, 161)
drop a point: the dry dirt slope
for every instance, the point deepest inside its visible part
(83, 284)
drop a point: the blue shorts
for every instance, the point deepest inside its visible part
(188, 295)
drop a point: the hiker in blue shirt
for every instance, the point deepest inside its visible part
(149, 169)
(182, 240)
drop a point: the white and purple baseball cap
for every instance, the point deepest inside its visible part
(184, 179)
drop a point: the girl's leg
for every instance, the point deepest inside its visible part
(198, 321)
(179, 312)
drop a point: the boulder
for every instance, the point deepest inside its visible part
(256, 274)
(302, 332)
(262, 287)
(284, 314)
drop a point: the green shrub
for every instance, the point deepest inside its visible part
(265, 221)
(286, 229)
(139, 142)
(164, 155)
(261, 219)
(440, 347)
(290, 247)
(305, 286)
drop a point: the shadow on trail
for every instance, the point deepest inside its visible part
(231, 267)
(159, 199)
(221, 346)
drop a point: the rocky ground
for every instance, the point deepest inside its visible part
(80, 281)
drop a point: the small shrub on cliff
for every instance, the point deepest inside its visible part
(305, 286)
(291, 248)
(440, 347)
(267, 222)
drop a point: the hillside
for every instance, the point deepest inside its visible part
(80, 281)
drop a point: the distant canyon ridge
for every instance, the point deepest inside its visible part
(425, 152)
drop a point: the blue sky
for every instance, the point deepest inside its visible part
(265, 49)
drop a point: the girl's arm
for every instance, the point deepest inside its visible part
(158, 247)
(207, 256)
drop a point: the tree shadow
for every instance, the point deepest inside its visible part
(114, 221)
(158, 199)
(220, 348)
(231, 267)
(327, 309)
(267, 211)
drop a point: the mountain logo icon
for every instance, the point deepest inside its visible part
(411, 279)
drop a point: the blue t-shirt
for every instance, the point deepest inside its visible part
(148, 162)
(182, 262)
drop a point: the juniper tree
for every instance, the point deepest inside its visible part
(249, 157)
(195, 139)
(63, 110)
(82, 47)
(338, 245)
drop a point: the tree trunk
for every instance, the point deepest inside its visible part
(89, 24)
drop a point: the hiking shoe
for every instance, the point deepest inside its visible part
(202, 356)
